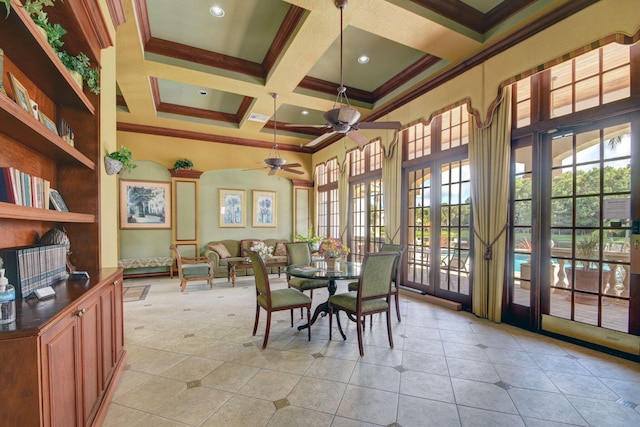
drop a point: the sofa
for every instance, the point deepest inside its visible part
(236, 251)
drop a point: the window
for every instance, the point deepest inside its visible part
(328, 208)
(366, 195)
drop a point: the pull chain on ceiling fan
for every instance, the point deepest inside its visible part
(343, 118)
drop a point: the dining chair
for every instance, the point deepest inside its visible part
(388, 247)
(192, 268)
(298, 253)
(275, 300)
(372, 295)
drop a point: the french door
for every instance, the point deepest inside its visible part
(439, 229)
(571, 228)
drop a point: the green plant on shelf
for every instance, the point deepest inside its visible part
(182, 164)
(81, 64)
(33, 7)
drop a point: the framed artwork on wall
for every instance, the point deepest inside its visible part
(145, 204)
(264, 208)
(232, 208)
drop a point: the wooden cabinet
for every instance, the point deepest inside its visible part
(63, 357)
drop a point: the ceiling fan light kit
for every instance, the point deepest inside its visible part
(343, 118)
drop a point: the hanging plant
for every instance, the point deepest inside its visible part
(117, 160)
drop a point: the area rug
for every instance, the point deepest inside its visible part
(135, 293)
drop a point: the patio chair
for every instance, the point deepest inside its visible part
(192, 268)
(275, 300)
(456, 260)
(372, 295)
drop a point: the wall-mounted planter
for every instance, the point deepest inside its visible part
(112, 166)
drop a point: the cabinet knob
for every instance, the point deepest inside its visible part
(81, 313)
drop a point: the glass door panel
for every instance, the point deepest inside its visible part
(419, 228)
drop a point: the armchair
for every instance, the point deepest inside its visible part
(194, 268)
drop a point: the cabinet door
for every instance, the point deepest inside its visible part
(89, 319)
(61, 374)
(111, 311)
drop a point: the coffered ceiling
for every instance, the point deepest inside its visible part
(183, 72)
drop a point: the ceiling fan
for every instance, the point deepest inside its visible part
(343, 118)
(274, 162)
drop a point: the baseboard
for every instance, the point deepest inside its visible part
(452, 305)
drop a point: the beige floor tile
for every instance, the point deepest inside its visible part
(319, 395)
(269, 385)
(369, 405)
(229, 376)
(242, 411)
(413, 411)
(193, 406)
(292, 416)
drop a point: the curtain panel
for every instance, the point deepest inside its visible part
(489, 158)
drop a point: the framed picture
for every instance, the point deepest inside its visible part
(145, 204)
(232, 208)
(50, 124)
(2, 72)
(264, 208)
(21, 94)
(56, 201)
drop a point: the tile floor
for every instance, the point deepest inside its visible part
(191, 361)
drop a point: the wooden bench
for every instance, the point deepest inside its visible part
(161, 261)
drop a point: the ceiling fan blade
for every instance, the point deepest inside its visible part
(348, 115)
(380, 125)
(296, 125)
(319, 139)
(286, 169)
(272, 171)
(292, 165)
(254, 169)
(358, 138)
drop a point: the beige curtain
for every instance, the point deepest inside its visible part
(343, 197)
(392, 182)
(489, 157)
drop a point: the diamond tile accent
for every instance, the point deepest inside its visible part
(317, 355)
(627, 403)
(137, 328)
(503, 385)
(247, 344)
(403, 336)
(193, 384)
(148, 305)
(281, 403)
(187, 309)
(231, 314)
(572, 357)
(482, 346)
(400, 368)
(189, 335)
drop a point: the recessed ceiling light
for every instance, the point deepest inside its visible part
(203, 92)
(304, 112)
(363, 59)
(217, 11)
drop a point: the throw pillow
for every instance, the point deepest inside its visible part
(221, 250)
(280, 250)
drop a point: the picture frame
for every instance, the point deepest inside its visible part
(57, 201)
(264, 208)
(232, 208)
(145, 204)
(2, 90)
(21, 94)
(50, 124)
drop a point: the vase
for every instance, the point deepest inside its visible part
(333, 263)
(112, 166)
(77, 77)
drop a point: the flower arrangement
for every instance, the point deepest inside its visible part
(333, 248)
(262, 249)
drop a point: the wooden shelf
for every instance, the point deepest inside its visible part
(32, 133)
(38, 60)
(24, 213)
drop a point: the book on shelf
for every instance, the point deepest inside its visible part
(23, 189)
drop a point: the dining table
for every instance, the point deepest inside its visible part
(344, 270)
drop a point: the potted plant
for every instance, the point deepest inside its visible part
(114, 162)
(313, 240)
(33, 7)
(585, 275)
(182, 164)
(81, 65)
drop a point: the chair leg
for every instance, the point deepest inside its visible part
(359, 328)
(330, 321)
(266, 332)
(389, 327)
(397, 306)
(183, 285)
(255, 325)
(308, 321)
(292, 316)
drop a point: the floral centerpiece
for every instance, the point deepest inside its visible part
(262, 249)
(333, 248)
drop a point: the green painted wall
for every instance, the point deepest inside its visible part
(248, 180)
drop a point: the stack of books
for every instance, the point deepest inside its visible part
(23, 189)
